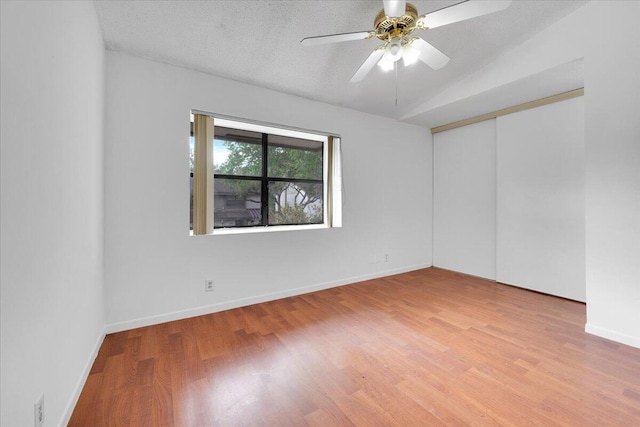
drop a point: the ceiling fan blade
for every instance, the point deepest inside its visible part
(394, 8)
(367, 65)
(429, 54)
(462, 11)
(335, 38)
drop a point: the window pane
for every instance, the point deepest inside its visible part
(236, 203)
(294, 158)
(295, 203)
(237, 152)
(192, 157)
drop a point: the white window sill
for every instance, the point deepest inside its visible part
(271, 229)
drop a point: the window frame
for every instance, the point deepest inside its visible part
(331, 208)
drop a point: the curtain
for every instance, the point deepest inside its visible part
(334, 183)
(203, 175)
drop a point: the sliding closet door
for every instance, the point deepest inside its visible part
(464, 216)
(540, 199)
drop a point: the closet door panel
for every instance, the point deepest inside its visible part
(464, 217)
(540, 199)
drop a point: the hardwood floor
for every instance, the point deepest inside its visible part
(430, 347)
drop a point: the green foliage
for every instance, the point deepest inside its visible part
(244, 159)
(294, 163)
(294, 215)
(283, 162)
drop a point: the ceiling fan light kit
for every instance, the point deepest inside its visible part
(410, 54)
(385, 64)
(396, 51)
(394, 25)
(393, 51)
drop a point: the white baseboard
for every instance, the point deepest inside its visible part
(213, 308)
(68, 410)
(612, 335)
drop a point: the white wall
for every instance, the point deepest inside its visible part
(52, 83)
(540, 199)
(155, 271)
(464, 214)
(612, 116)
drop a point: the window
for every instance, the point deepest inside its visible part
(247, 175)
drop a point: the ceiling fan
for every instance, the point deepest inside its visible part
(394, 26)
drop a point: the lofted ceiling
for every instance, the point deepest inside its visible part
(258, 42)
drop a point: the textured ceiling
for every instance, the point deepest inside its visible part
(258, 42)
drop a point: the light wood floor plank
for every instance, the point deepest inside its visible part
(429, 347)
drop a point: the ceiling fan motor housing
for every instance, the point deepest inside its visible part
(389, 27)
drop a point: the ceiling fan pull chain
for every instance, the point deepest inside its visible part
(395, 65)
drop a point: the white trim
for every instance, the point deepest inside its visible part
(612, 335)
(510, 110)
(269, 229)
(213, 308)
(272, 130)
(261, 123)
(71, 404)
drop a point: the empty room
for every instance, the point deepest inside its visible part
(324, 213)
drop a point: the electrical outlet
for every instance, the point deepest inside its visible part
(38, 411)
(208, 285)
(386, 257)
